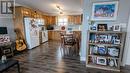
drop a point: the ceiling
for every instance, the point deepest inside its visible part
(69, 7)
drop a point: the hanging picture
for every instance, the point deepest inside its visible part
(105, 11)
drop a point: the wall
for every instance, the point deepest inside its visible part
(84, 28)
(123, 14)
(126, 59)
(123, 11)
(8, 22)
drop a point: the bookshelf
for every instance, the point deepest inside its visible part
(105, 49)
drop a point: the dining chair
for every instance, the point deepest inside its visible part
(68, 44)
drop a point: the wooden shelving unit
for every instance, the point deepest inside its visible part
(103, 59)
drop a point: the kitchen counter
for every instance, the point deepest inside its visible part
(64, 30)
(55, 34)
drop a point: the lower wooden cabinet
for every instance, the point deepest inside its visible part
(55, 35)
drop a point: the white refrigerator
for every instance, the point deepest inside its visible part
(31, 32)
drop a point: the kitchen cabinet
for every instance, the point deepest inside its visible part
(75, 19)
(26, 12)
(50, 35)
(50, 20)
(55, 35)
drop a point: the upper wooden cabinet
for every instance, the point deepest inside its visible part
(50, 20)
(75, 19)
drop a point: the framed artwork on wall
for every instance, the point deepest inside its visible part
(105, 10)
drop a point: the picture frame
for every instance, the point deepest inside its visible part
(95, 50)
(116, 28)
(6, 7)
(114, 52)
(102, 27)
(110, 28)
(112, 62)
(105, 10)
(117, 41)
(101, 61)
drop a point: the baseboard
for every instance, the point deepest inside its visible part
(82, 58)
(126, 67)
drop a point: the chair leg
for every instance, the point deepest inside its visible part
(61, 49)
(77, 49)
(68, 52)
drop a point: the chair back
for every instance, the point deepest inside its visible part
(69, 39)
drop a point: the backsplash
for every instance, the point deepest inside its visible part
(69, 27)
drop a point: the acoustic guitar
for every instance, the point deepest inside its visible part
(20, 45)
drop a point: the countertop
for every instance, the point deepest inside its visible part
(64, 30)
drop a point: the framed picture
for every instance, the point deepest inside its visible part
(116, 28)
(6, 7)
(112, 51)
(101, 61)
(112, 63)
(110, 28)
(105, 11)
(102, 27)
(95, 50)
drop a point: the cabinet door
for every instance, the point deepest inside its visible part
(50, 35)
(74, 19)
(26, 12)
(70, 19)
(53, 20)
(78, 19)
(47, 20)
(50, 20)
(57, 36)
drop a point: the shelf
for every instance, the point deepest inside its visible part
(94, 40)
(102, 67)
(106, 32)
(104, 44)
(109, 57)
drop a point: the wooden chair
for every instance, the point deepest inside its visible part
(68, 44)
(61, 42)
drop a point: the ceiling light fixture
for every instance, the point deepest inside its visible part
(61, 12)
(59, 8)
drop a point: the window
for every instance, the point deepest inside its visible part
(62, 21)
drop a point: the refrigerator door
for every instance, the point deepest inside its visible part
(34, 42)
(31, 32)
